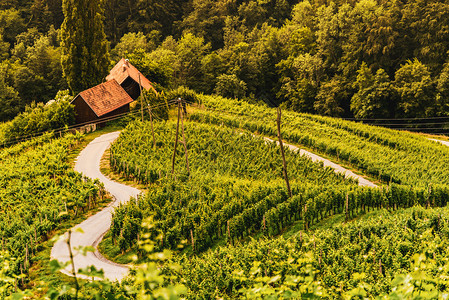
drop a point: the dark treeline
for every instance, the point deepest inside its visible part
(364, 59)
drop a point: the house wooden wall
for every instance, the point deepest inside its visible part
(84, 114)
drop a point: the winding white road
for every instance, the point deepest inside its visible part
(94, 228)
(327, 163)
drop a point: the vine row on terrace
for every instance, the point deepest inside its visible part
(366, 256)
(235, 187)
(388, 155)
(38, 191)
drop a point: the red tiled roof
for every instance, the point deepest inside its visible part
(124, 69)
(106, 97)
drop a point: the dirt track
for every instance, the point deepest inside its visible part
(88, 163)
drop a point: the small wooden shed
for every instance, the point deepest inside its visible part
(100, 102)
(128, 77)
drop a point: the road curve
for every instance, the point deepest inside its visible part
(94, 228)
(327, 163)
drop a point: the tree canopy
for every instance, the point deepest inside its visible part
(85, 56)
(362, 58)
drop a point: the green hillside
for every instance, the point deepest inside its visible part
(386, 154)
(39, 192)
(243, 235)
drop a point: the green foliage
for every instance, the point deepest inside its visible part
(39, 118)
(374, 91)
(184, 93)
(9, 100)
(228, 194)
(443, 91)
(39, 76)
(384, 254)
(85, 57)
(158, 65)
(382, 153)
(190, 50)
(227, 191)
(4, 49)
(230, 86)
(330, 97)
(415, 88)
(38, 192)
(129, 44)
(11, 24)
(305, 55)
(158, 103)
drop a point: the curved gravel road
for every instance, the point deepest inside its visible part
(94, 228)
(327, 163)
(88, 163)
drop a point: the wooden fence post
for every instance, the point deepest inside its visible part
(176, 140)
(282, 152)
(347, 207)
(184, 139)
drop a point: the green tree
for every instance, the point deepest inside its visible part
(426, 25)
(130, 43)
(85, 56)
(442, 98)
(190, 51)
(11, 24)
(374, 94)
(207, 20)
(9, 102)
(415, 88)
(368, 35)
(230, 86)
(37, 71)
(41, 16)
(300, 80)
(158, 65)
(330, 98)
(4, 49)
(303, 15)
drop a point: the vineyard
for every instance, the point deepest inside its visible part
(235, 188)
(362, 258)
(231, 206)
(39, 191)
(382, 153)
(221, 196)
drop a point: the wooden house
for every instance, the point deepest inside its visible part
(101, 102)
(129, 77)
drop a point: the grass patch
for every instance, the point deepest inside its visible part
(106, 170)
(113, 252)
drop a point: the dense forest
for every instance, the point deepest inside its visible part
(363, 59)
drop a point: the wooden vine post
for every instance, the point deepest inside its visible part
(149, 112)
(193, 241)
(347, 208)
(180, 117)
(184, 138)
(141, 100)
(282, 152)
(176, 140)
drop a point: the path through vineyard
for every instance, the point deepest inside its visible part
(88, 163)
(328, 163)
